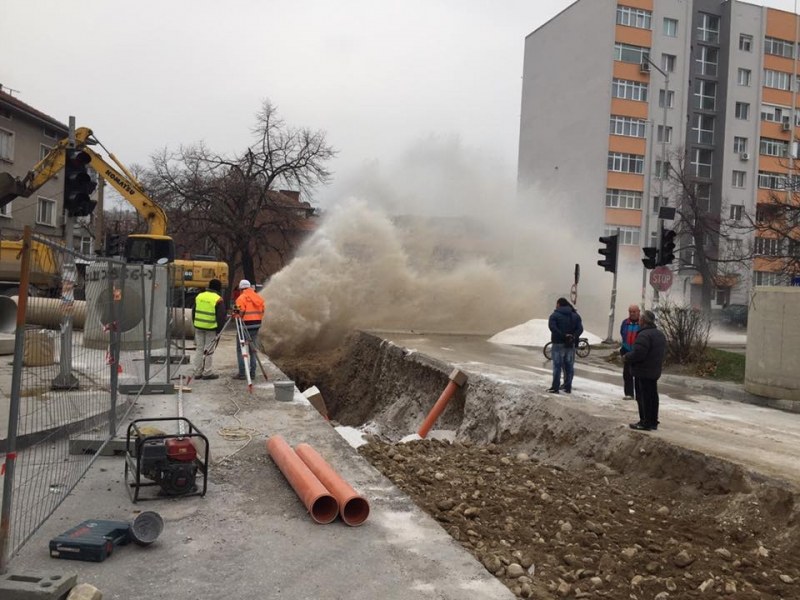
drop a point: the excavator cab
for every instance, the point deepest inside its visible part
(149, 249)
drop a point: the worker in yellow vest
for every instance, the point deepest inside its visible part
(208, 318)
(251, 310)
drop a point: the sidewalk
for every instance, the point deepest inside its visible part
(250, 536)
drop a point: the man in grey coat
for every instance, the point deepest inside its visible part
(646, 359)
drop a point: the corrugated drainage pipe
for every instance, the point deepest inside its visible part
(354, 508)
(321, 505)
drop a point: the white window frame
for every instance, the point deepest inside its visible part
(703, 135)
(738, 179)
(626, 199)
(775, 113)
(705, 94)
(777, 80)
(630, 54)
(660, 134)
(7, 210)
(769, 278)
(42, 201)
(628, 126)
(708, 28)
(737, 212)
(634, 17)
(7, 146)
(661, 170)
(744, 77)
(707, 65)
(742, 111)
(739, 144)
(767, 246)
(771, 181)
(670, 98)
(772, 147)
(745, 42)
(629, 90)
(85, 245)
(778, 47)
(670, 27)
(668, 62)
(621, 162)
(701, 168)
(628, 236)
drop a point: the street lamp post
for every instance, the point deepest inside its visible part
(663, 173)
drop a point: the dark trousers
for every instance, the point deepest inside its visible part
(627, 379)
(647, 400)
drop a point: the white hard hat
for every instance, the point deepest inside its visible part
(244, 284)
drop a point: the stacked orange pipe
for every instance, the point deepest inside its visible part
(321, 505)
(353, 508)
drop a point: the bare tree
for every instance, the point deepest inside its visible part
(231, 205)
(705, 236)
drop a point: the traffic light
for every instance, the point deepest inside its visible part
(667, 253)
(609, 263)
(78, 184)
(651, 257)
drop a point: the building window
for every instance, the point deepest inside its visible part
(769, 278)
(625, 163)
(623, 199)
(6, 145)
(628, 236)
(630, 54)
(770, 147)
(670, 27)
(46, 213)
(771, 181)
(767, 246)
(662, 169)
(50, 133)
(742, 111)
(778, 47)
(633, 17)
(660, 134)
(702, 193)
(737, 211)
(670, 99)
(776, 114)
(705, 94)
(707, 61)
(738, 181)
(668, 62)
(745, 42)
(777, 80)
(744, 76)
(739, 144)
(85, 246)
(701, 162)
(44, 150)
(5, 210)
(628, 126)
(703, 129)
(708, 28)
(658, 202)
(629, 90)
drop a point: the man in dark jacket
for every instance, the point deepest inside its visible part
(628, 331)
(565, 329)
(646, 358)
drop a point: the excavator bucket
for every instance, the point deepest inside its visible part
(10, 188)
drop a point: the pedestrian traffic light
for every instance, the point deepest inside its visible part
(78, 184)
(609, 262)
(650, 261)
(667, 253)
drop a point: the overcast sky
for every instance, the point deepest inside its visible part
(378, 76)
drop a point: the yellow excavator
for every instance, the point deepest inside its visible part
(190, 276)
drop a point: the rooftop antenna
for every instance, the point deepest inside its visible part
(8, 90)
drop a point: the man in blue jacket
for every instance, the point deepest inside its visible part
(627, 331)
(566, 327)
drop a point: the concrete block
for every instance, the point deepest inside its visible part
(458, 377)
(39, 348)
(84, 591)
(36, 585)
(314, 396)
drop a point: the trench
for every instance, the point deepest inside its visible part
(554, 501)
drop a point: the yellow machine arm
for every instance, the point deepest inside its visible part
(125, 183)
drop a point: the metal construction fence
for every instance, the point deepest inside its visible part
(86, 333)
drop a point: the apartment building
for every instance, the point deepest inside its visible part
(611, 87)
(26, 136)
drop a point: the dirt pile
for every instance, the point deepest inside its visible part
(554, 501)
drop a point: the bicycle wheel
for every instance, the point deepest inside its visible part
(546, 350)
(583, 348)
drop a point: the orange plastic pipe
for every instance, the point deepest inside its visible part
(437, 409)
(322, 507)
(353, 508)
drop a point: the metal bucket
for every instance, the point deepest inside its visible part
(146, 528)
(284, 391)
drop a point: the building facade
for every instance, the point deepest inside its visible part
(617, 92)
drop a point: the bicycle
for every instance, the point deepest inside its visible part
(582, 349)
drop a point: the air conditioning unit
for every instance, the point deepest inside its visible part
(744, 156)
(644, 67)
(786, 125)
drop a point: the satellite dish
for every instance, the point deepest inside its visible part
(162, 261)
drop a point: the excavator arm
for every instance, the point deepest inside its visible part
(125, 183)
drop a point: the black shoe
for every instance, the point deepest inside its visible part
(212, 376)
(239, 377)
(552, 391)
(197, 377)
(567, 390)
(563, 387)
(640, 427)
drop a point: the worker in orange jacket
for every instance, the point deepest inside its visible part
(251, 310)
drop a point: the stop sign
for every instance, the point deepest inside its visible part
(661, 278)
